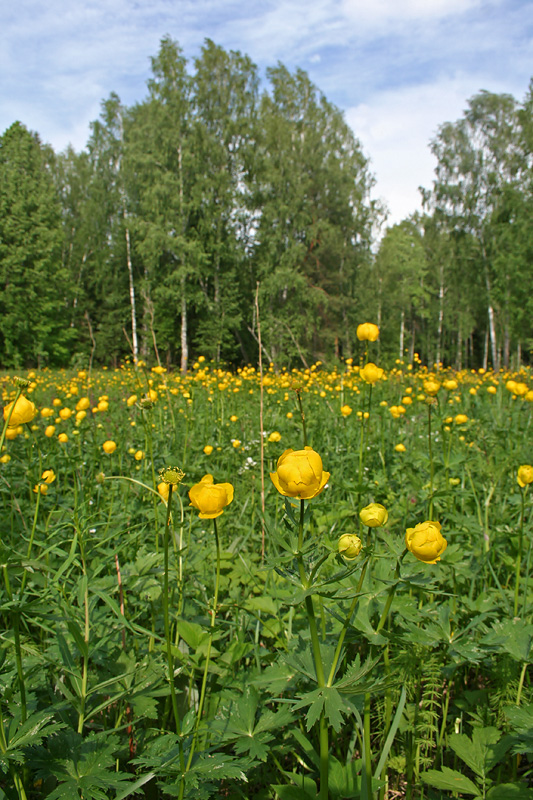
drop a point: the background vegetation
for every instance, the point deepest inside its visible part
(210, 198)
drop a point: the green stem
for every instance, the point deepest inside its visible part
(367, 744)
(521, 683)
(166, 622)
(207, 658)
(519, 554)
(32, 536)
(300, 405)
(319, 667)
(431, 466)
(346, 624)
(85, 655)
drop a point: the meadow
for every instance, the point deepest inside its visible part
(271, 631)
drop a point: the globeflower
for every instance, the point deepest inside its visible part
(426, 542)
(525, 475)
(299, 473)
(210, 498)
(431, 387)
(374, 515)
(371, 373)
(109, 447)
(349, 546)
(23, 410)
(367, 332)
(346, 411)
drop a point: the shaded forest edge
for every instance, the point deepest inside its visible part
(215, 215)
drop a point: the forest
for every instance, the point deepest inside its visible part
(218, 216)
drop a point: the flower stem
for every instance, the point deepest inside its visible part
(519, 554)
(170, 657)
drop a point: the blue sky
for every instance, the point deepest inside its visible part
(397, 68)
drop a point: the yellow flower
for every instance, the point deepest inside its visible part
(525, 475)
(208, 449)
(63, 438)
(233, 418)
(48, 476)
(426, 542)
(41, 488)
(139, 455)
(50, 430)
(65, 413)
(491, 389)
(374, 515)
(103, 405)
(349, 546)
(5, 458)
(367, 331)
(400, 448)
(450, 385)
(132, 399)
(47, 412)
(299, 473)
(83, 404)
(431, 387)
(163, 490)
(460, 419)
(22, 411)
(236, 443)
(346, 411)
(371, 373)
(210, 498)
(275, 436)
(109, 447)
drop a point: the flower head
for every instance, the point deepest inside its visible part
(349, 546)
(367, 331)
(525, 475)
(371, 373)
(346, 410)
(109, 447)
(374, 515)
(426, 542)
(23, 410)
(210, 498)
(171, 475)
(299, 473)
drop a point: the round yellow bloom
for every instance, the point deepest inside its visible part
(49, 431)
(210, 498)
(47, 412)
(83, 404)
(346, 411)
(103, 405)
(40, 488)
(109, 447)
(22, 411)
(65, 413)
(233, 418)
(367, 332)
(400, 448)
(289, 415)
(460, 419)
(349, 546)
(236, 443)
(63, 438)
(431, 387)
(11, 433)
(371, 373)
(450, 385)
(132, 399)
(139, 455)
(525, 475)
(492, 389)
(57, 402)
(208, 449)
(275, 436)
(299, 473)
(426, 542)
(374, 515)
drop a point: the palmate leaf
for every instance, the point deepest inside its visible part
(326, 699)
(82, 767)
(450, 780)
(483, 751)
(30, 733)
(521, 720)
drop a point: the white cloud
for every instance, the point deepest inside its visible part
(385, 11)
(395, 129)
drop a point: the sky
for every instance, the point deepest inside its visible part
(397, 68)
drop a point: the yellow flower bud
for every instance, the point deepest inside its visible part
(374, 515)
(349, 546)
(208, 449)
(83, 404)
(109, 447)
(275, 436)
(346, 411)
(210, 498)
(371, 373)
(19, 412)
(400, 448)
(49, 431)
(525, 475)
(367, 331)
(299, 473)
(426, 542)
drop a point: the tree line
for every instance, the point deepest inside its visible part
(217, 218)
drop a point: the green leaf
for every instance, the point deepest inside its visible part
(450, 780)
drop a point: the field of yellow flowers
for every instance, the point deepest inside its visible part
(281, 585)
